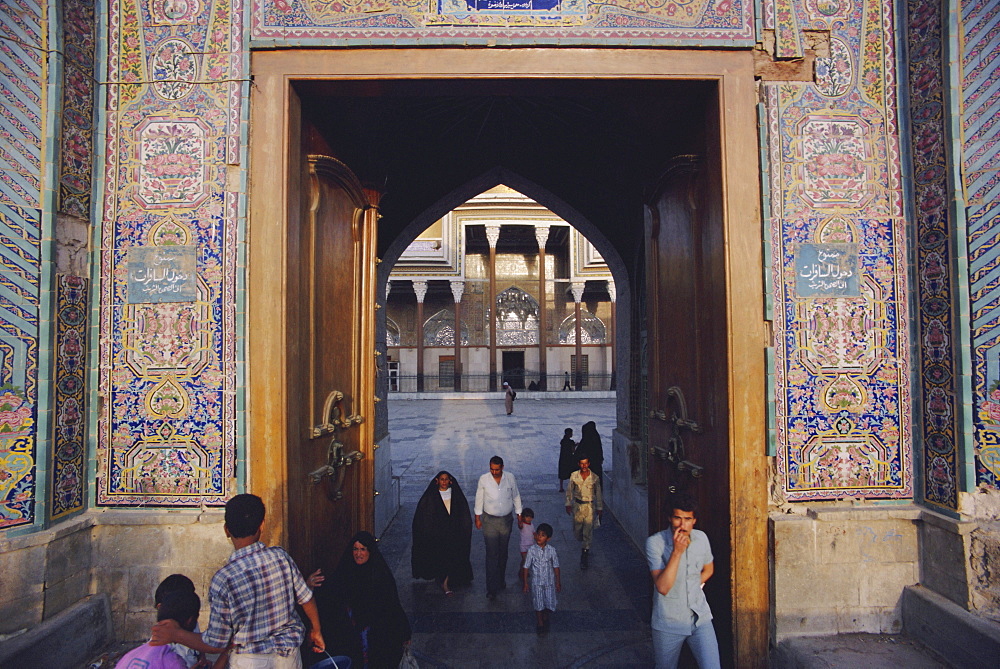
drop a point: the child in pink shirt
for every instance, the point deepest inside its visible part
(181, 606)
(527, 536)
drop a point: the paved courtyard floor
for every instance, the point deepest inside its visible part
(602, 618)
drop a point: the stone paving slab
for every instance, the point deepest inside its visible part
(603, 614)
(855, 651)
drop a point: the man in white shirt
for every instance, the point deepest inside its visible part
(497, 497)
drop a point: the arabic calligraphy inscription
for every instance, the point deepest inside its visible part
(826, 270)
(162, 274)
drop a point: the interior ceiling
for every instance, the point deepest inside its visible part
(597, 145)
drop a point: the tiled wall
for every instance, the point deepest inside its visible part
(933, 226)
(175, 145)
(980, 132)
(494, 22)
(839, 269)
(23, 71)
(167, 431)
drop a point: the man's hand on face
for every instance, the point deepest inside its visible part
(682, 540)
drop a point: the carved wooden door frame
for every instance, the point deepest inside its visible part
(275, 155)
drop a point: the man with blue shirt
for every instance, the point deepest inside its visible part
(680, 561)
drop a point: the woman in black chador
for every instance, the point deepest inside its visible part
(567, 463)
(442, 534)
(590, 444)
(360, 610)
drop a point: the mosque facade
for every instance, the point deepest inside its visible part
(533, 344)
(125, 205)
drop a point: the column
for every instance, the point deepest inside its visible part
(577, 288)
(612, 291)
(492, 235)
(420, 289)
(457, 288)
(542, 236)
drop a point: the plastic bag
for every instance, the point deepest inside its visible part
(408, 661)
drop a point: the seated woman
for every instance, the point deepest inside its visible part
(359, 605)
(442, 534)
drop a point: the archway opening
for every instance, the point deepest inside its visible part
(410, 151)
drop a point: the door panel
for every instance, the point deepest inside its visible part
(688, 422)
(330, 482)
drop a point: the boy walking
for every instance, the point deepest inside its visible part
(252, 599)
(680, 561)
(542, 563)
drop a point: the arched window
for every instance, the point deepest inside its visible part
(391, 332)
(517, 318)
(439, 330)
(592, 330)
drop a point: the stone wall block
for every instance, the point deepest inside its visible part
(817, 588)
(837, 543)
(199, 544)
(794, 540)
(887, 541)
(130, 545)
(875, 620)
(984, 563)
(68, 556)
(23, 612)
(942, 557)
(883, 586)
(72, 236)
(142, 582)
(791, 622)
(63, 594)
(114, 583)
(29, 565)
(867, 540)
(136, 626)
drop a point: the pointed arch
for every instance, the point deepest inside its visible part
(439, 330)
(392, 337)
(517, 318)
(592, 329)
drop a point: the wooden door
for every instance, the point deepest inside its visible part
(332, 385)
(688, 420)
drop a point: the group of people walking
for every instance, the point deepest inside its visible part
(442, 526)
(355, 616)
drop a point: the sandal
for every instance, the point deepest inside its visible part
(448, 593)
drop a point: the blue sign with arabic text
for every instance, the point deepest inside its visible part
(827, 270)
(162, 274)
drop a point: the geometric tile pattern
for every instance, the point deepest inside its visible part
(23, 70)
(842, 377)
(932, 238)
(68, 463)
(77, 131)
(535, 22)
(167, 432)
(980, 89)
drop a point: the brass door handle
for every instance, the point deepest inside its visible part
(673, 450)
(334, 416)
(338, 459)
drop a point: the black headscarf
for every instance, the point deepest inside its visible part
(442, 541)
(567, 450)
(364, 596)
(590, 445)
